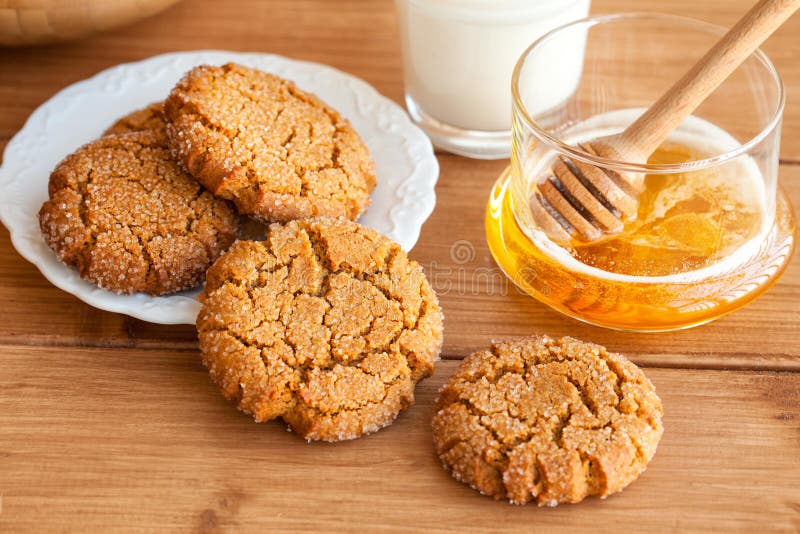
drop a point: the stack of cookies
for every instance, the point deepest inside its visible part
(325, 323)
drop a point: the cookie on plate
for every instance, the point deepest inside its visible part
(148, 118)
(126, 215)
(548, 420)
(325, 324)
(277, 152)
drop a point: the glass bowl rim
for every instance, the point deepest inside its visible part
(661, 168)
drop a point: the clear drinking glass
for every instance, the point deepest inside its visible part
(458, 58)
(713, 229)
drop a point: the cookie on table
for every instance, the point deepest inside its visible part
(277, 152)
(130, 219)
(547, 420)
(148, 118)
(326, 324)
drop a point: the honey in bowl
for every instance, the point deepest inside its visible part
(686, 221)
(705, 241)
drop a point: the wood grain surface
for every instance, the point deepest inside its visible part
(110, 423)
(87, 441)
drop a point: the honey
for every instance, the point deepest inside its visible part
(686, 221)
(704, 243)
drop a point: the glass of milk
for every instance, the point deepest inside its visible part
(458, 58)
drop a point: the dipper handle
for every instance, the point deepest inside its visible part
(645, 135)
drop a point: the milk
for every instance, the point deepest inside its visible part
(459, 56)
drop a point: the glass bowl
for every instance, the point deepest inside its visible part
(713, 229)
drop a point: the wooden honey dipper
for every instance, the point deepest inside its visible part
(584, 202)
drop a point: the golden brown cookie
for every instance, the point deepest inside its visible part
(152, 118)
(130, 219)
(325, 324)
(277, 152)
(549, 420)
(149, 118)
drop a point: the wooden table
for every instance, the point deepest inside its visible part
(107, 422)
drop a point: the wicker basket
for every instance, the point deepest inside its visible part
(27, 22)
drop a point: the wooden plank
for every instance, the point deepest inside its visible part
(759, 336)
(38, 313)
(107, 422)
(480, 304)
(358, 36)
(130, 439)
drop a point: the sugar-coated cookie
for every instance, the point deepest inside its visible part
(148, 118)
(547, 420)
(130, 219)
(325, 324)
(277, 152)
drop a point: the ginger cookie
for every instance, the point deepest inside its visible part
(326, 324)
(548, 420)
(277, 152)
(130, 219)
(149, 118)
(152, 118)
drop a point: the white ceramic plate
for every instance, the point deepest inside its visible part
(406, 167)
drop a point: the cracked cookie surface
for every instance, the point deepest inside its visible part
(148, 118)
(125, 214)
(548, 420)
(325, 324)
(277, 152)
